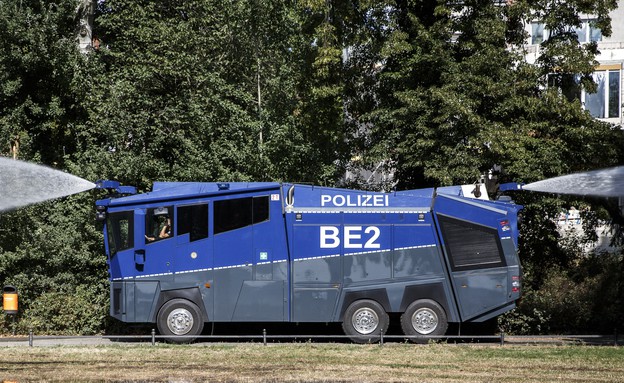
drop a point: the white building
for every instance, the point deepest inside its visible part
(606, 104)
(570, 224)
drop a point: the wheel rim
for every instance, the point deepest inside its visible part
(425, 321)
(180, 321)
(365, 320)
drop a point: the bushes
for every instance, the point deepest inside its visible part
(567, 289)
(81, 312)
(52, 253)
(586, 299)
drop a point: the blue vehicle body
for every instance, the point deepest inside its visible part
(241, 252)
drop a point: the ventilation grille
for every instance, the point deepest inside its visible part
(471, 246)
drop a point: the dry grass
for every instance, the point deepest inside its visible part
(313, 363)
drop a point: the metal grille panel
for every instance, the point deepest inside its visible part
(471, 246)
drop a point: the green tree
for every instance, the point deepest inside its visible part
(201, 90)
(52, 252)
(51, 249)
(38, 107)
(269, 90)
(162, 108)
(454, 100)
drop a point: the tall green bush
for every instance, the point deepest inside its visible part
(584, 299)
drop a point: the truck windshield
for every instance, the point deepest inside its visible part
(120, 231)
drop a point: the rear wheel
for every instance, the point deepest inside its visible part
(181, 319)
(364, 321)
(424, 317)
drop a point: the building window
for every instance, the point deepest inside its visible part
(605, 103)
(613, 96)
(595, 34)
(538, 33)
(586, 33)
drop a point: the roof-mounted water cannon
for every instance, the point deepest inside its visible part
(115, 188)
(509, 186)
(486, 188)
(497, 190)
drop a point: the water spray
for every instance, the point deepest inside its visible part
(607, 182)
(24, 183)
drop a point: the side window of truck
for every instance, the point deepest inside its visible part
(193, 219)
(120, 231)
(232, 214)
(158, 224)
(260, 209)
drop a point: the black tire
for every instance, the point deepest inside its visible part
(181, 319)
(424, 317)
(364, 321)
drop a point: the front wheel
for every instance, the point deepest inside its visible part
(181, 319)
(424, 317)
(364, 321)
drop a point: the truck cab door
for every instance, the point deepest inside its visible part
(134, 250)
(120, 235)
(470, 238)
(153, 254)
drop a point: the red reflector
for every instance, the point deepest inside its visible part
(515, 289)
(504, 223)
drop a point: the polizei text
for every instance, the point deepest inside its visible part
(366, 200)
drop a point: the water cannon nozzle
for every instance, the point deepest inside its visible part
(115, 188)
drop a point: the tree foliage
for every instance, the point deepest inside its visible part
(455, 100)
(207, 91)
(38, 57)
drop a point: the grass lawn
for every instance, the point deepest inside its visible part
(307, 362)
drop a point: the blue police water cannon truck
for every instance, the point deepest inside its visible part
(189, 253)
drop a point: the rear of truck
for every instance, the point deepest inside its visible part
(479, 239)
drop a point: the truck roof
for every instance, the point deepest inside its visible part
(305, 196)
(167, 191)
